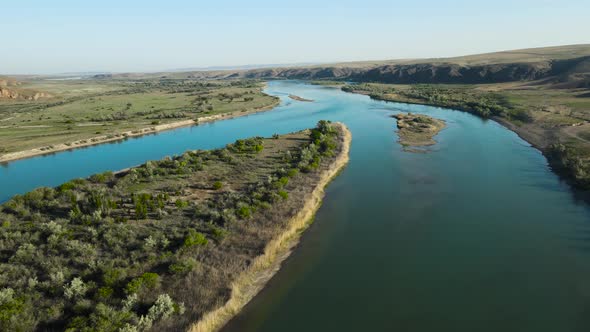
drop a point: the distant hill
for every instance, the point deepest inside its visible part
(567, 66)
(10, 90)
(562, 64)
(7, 81)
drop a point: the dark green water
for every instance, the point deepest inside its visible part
(477, 235)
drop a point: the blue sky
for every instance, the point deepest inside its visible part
(57, 36)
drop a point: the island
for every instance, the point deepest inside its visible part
(416, 130)
(163, 245)
(294, 97)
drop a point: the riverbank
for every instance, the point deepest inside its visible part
(264, 267)
(128, 134)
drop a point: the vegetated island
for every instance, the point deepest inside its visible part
(415, 130)
(294, 97)
(79, 113)
(166, 244)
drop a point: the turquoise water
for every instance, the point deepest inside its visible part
(477, 235)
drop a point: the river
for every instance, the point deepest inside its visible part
(476, 235)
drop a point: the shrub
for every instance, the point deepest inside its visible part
(102, 177)
(281, 182)
(283, 194)
(244, 212)
(182, 266)
(147, 280)
(76, 288)
(195, 238)
(9, 305)
(150, 280)
(67, 186)
(112, 276)
(141, 209)
(15, 314)
(162, 308)
(217, 185)
(218, 233)
(105, 292)
(181, 203)
(107, 318)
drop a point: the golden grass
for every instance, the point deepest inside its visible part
(252, 280)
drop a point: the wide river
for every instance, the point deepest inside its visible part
(476, 235)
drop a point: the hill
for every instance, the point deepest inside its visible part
(557, 65)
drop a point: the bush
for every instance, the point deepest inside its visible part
(112, 276)
(195, 238)
(102, 177)
(150, 280)
(147, 280)
(75, 289)
(162, 308)
(283, 194)
(182, 266)
(292, 172)
(244, 212)
(181, 203)
(217, 185)
(9, 305)
(105, 292)
(218, 233)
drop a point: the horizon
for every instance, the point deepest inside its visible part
(251, 66)
(68, 37)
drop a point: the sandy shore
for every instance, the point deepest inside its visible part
(264, 267)
(123, 135)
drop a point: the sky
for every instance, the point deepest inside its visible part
(62, 36)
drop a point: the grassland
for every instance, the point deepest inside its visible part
(158, 246)
(555, 120)
(83, 112)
